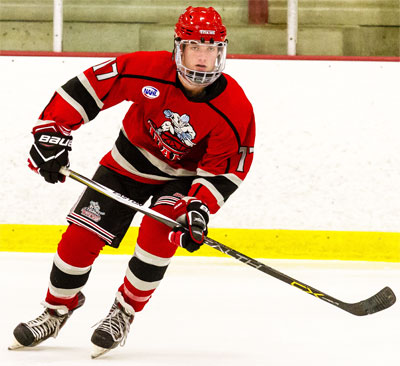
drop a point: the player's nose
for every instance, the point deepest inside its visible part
(202, 55)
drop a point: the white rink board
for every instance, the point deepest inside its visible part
(327, 153)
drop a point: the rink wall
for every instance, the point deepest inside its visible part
(325, 180)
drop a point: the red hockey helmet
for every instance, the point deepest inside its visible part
(204, 27)
(200, 24)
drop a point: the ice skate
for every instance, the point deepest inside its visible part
(46, 325)
(114, 328)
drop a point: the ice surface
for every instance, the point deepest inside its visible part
(210, 311)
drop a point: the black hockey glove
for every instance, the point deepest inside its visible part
(49, 153)
(194, 216)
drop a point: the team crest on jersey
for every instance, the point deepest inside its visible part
(93, 211)
(174, 135)
(150, 92)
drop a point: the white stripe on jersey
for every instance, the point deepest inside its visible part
(85, 82)
(218, 196)
(162, 165)
(71, 101)
(131, 169)
(232, 177)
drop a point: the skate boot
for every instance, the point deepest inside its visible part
(47, 325)
(114, 328)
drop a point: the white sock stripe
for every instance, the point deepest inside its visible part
(63, 292)
(67, 268)
(149, 258)
(140, 284)
(134, 297)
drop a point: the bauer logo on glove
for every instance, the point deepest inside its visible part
(55, 140)
(49, 153)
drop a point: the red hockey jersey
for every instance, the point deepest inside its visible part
(165, 134)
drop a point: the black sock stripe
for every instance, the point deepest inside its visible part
(64, 280)
(146, 272)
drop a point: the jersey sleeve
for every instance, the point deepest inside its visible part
(224, 166)
(84, 96)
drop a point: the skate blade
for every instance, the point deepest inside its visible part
(15, 345)
(98, 351)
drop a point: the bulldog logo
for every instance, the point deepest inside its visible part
(175, 135)
(179, 126)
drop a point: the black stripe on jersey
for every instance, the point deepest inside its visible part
(197, 190)
(78, 92)
(229, 123)
(77, 124)
(223, 185)
(132, 76)
(63, 280)
(136, 158)
(146, 272)
(228, 165)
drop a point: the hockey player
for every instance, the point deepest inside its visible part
(186, 141)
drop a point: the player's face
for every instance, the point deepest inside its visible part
(200, 56)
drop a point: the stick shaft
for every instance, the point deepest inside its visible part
(378, 302)
(118, 197)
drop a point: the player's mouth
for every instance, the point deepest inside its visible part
(201, 67)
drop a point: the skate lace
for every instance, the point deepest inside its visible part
(116, 323)
(45, 325)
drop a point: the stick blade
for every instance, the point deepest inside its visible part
(384, 299)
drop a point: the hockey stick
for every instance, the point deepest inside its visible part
(381, 301)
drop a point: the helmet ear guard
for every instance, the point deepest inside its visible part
(204, 27)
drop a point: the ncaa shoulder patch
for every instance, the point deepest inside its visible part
(150, 92)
